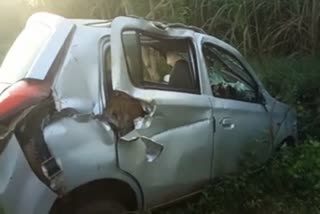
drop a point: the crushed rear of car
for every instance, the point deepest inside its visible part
(26, 100)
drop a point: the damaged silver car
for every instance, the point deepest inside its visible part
(110, 116)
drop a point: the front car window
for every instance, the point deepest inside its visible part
(228, 78)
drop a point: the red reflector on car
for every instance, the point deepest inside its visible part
(21, 95)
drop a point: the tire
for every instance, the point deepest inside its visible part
(102, 206)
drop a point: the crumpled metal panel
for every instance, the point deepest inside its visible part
(284, 121)
(123, 110)
(183, 125)
(173, 109)
(182, 166)
(78, 84)
(85, 149)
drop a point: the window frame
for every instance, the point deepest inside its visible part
(105, 77)
(255, 87)
(158, 86)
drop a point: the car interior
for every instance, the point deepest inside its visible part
(147, 63)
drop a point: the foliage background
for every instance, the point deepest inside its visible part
(281, 27)
(282, 40)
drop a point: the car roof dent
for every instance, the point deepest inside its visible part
(76, 85)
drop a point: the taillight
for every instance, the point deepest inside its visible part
(20, 96)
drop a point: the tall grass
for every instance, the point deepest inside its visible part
(282, 27)
(260, 26)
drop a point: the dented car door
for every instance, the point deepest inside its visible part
(167, 146)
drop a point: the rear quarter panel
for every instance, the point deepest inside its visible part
(86, 151)
(21, 192)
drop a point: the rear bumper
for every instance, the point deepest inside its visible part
(21, 192)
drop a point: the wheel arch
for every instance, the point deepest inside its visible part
(108, 188)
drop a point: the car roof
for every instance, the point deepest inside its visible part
(107, 23)
(91, 22)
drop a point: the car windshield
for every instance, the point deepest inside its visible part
(23, 52)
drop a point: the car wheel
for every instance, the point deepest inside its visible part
(102, 206)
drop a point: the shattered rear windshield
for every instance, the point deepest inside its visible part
(24, 52)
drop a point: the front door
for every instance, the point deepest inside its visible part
(180, 118)
(243, 132)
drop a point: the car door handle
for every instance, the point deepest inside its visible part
(227, 123)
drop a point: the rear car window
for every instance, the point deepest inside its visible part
(24, 51)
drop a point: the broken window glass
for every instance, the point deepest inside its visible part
(227, 77)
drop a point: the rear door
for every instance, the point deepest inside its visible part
(180, 118)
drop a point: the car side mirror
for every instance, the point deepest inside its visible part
(153, 149)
